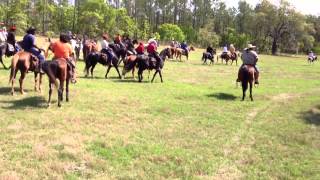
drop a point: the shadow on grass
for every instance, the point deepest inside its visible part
(7, 90)
(28, 102)
(223, 96)
(128, 80)
(312, 116)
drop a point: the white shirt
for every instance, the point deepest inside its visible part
(225, 49)
(104, 44)
(73, 43)
(153, 41)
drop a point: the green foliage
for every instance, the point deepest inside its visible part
(171, 31)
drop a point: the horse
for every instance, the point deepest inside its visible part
(88, 47)
(179, 52)
(59, 69)
(227, 57)
(3, 49)
(23, 62)
(130, 64)
(311, 60)
(246, 76)
(208, 55)
(102, 58)
(150, 63)
(121, 53)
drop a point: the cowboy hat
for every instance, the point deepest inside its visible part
(250, 46)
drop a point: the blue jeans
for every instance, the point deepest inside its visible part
(38, 54)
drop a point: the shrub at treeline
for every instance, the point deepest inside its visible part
(272, 28)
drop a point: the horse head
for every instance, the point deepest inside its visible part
(34, 62)
(165, 53)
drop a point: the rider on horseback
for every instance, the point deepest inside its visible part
(28, 44)
(232, 51)
(118, 41)
(210, 50)
(62, 50)
(152, 50)
(225, 50)
(250, 57)
(312, 56)
(11, 40)
(140, 49)
(105, 46)
(184, 46)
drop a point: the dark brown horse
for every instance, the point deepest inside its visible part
(226, 57)
(181, 52)
(3, 49)
(23, 62)
(150, 63)
(94, 58)
(59, 69)
(247, 76)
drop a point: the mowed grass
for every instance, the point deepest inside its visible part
(192, 126)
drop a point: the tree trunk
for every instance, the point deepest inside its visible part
(274, 46)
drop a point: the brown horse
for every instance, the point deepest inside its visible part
(59, 69)
(23, 62)
(89, 47)
(179, 52)
(227, 57)
(129, 64)
(247, 76)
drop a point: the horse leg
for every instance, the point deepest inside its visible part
(23, 75)
(35, 81)
(160, 73)
(140, 75)
(60, 92)
(92, 68)
(50, 92)
(118, 71)
(1, 60)
(154, 75)
(109, 67)
(251, 90)
(67, 90)
(40, 82)
(133, 72)
(244, 89)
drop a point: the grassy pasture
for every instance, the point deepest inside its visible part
(192, 126)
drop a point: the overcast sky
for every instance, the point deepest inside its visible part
(303, 6)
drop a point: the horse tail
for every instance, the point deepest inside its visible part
(13, 67)
(203, 56)
(245, 78)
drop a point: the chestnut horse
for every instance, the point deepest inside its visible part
(59, 69)
(179, 52)
(246, 76)
(89, 47)
(227, 57)
(23, 62)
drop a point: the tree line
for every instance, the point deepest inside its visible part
(272, 28)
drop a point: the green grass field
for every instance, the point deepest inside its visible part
(193, 126)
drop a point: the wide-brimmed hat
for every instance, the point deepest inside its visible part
(250, 46)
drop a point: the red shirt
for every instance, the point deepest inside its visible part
(151, 48)
(140, 48)
(61, 50)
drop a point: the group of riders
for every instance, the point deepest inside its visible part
(67, 43)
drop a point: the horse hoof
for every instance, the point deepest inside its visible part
(59, 105)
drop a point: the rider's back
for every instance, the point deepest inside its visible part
(249, 57)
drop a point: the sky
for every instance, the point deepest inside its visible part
(303, 6)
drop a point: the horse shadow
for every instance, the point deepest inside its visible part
(28, 102)
(312, 116)
(7, 90)
(223, 96)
